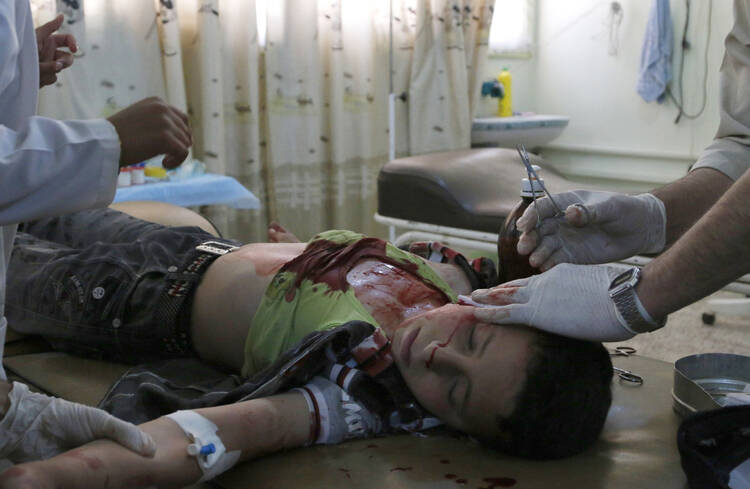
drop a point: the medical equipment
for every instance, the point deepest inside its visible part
(511, 264)
(206, 446)
(709, 381)
(533, 176)
(137, 174)
(124, 178)
(626, 375)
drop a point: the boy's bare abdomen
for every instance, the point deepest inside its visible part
(229, 295)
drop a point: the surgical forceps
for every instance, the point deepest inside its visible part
(626, 375)
(535, 180)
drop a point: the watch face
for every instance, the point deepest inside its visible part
(622, 278)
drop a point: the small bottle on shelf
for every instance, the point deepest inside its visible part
(137, 175)
(124, 177)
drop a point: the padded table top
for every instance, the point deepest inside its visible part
(637, 448)
(468, 189)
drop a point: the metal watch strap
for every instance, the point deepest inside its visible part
(625, 302)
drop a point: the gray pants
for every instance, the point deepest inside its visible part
(107, 285)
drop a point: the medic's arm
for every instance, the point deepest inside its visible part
(725, 159)
(51, 167)
(255, 427)
(46, 166)
(711, 254)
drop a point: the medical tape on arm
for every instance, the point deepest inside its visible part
(206, 446)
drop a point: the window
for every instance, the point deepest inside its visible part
(512, 30)
(261, 10)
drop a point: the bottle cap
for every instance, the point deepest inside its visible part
(531, 187)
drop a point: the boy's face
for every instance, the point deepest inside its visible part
(462, 371)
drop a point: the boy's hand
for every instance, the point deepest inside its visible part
(51, 59)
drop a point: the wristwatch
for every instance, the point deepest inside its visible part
(622, 293)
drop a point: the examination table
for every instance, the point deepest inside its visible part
(460, 198)
(637, 448)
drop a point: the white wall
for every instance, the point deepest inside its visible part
(613, 133)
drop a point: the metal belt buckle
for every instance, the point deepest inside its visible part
(215, 248)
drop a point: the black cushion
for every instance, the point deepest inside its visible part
(470, 189)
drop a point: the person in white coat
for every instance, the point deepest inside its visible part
(50, 167)
(700, 224)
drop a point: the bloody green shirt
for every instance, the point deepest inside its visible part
(310, 293)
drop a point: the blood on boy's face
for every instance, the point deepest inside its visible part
(461, 370)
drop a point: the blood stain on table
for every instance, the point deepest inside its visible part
(499, 482)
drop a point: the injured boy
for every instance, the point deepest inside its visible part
(342, 337)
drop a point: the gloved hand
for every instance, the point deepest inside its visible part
(339, 416)
(37, 426)
(598, 227)
(570, 300)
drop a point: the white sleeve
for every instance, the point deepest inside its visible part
(727, 155)
(730, 151)
(52, 167)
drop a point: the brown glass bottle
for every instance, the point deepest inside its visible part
(512, 265)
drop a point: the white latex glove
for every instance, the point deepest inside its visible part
(569, 300)
(37, 426)
(598, 227)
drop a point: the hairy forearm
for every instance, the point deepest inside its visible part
(711, 254)
(688, 198)
(254, 427)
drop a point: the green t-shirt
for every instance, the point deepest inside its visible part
(310, 293)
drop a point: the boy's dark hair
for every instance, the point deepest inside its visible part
(563, 403)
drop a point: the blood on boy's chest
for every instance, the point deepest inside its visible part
(390, 293)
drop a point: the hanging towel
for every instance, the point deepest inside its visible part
(656, 54)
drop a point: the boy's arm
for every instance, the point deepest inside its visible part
(255, 427)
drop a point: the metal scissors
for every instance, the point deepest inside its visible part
(628, 376)
(625, 375)
(534, 178)
(622, 351)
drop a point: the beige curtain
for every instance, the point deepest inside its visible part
(302, 122)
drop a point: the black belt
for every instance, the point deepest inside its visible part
(173, 307)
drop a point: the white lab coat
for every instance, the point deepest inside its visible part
(47, 167)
